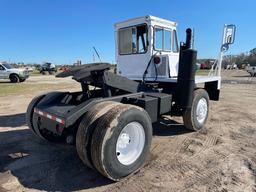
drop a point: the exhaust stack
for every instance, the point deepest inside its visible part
(186, 73)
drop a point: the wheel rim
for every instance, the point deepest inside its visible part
(130, 143)
(201, 110)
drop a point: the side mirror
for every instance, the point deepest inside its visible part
(229, 34)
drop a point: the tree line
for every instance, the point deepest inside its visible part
(241, 60)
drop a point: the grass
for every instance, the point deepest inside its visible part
(202, 72)
(35, 73)
(7, 88)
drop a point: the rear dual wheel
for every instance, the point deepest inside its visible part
(117, 140)
(86, 128)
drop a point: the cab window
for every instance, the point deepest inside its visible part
(133, 40)
(175, 46)
(162, 39)
(2, 68)
(7, 66)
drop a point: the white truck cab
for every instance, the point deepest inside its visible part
(147, 49)
(138, 39)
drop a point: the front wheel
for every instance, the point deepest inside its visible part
(196, 117)
(51, 72)
(44, 72)
(14, 78)
(121, 141)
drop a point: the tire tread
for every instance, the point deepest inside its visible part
(86, 128)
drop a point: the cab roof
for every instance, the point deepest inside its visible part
(149, 19)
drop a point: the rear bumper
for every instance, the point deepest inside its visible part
(50, 116)
(45, 121)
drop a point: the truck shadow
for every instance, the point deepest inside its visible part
(54, 167)
(6, 82)
(242, 75)
(15, 120)
(169, 127)
(44, 166)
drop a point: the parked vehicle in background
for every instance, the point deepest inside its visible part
(48, 68)
(251, 70)
(231, 67)
(203, 66)
(234, 66)
(14, 74)
(198, 66)
(64, 68)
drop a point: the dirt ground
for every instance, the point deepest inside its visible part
(222, 157)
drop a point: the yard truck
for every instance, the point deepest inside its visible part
(110, 119)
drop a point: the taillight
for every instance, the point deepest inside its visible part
(157, 60)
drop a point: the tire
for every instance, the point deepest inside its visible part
(195, 118)
(30, 113)
(123, 128)
(22, 80)
(14, 78)
(86, 128)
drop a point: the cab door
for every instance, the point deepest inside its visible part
(2, 72)
(132, 51)
(165, 43)
(174, 56)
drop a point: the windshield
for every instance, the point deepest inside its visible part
(7, 66)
